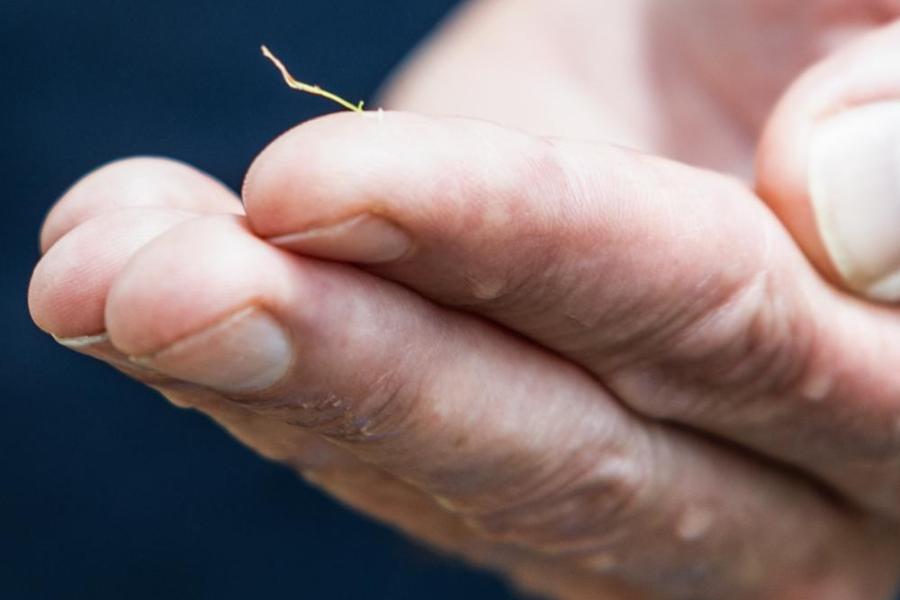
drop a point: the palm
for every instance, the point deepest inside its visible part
(692, 80)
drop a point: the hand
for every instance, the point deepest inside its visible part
(537, 362)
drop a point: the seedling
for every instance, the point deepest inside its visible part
(309, 89)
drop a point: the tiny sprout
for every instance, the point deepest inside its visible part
(305, 87)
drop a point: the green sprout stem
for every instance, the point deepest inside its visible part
(305, 87)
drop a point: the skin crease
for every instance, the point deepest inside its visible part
(515, 412)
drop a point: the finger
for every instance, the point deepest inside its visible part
(828, 165)
(68, 289)
(92, 233)
(67, 297)
(136, 182)
(382, 496)
(115, 210)
(522, 445)
(674, 286)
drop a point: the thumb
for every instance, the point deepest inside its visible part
(829, 165)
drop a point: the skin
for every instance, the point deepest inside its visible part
(615, 368)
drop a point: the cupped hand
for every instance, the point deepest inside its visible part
(603, 373)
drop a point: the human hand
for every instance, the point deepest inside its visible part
(419, 410)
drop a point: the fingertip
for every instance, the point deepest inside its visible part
(311, 174)
(141, 181)
(782, 177)
(329, 169)
(823, 164)
(194, 275)
(378, 188)
(68, 288)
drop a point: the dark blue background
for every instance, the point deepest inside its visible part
(107, 491)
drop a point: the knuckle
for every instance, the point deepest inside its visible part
(594, 509)
(751, 341)
(745, 348)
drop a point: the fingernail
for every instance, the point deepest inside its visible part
(365, 238)
(246, 352)
(854, 173)
(100, 347)
(81, 342)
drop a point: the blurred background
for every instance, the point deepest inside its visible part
(108, 491)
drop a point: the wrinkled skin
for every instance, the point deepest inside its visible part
(597, 370)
